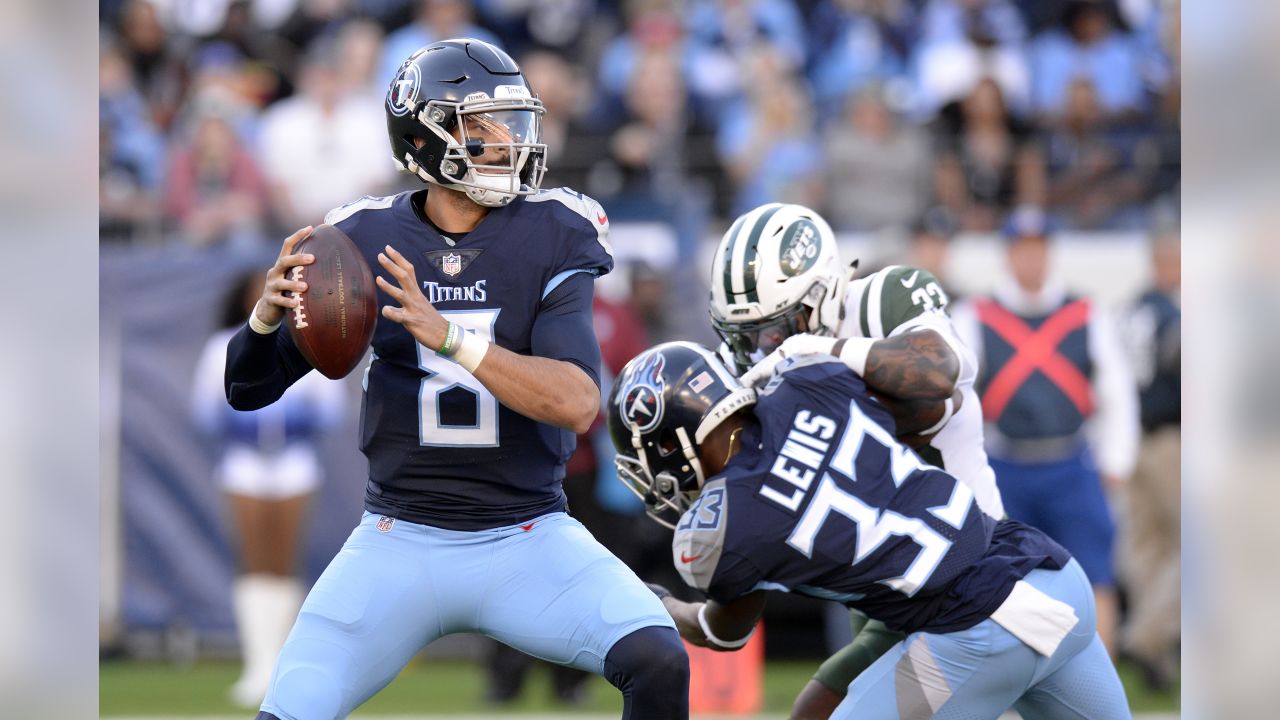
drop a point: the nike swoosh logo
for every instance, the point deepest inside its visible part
(528, 527)
(908, 282)
(686, 559)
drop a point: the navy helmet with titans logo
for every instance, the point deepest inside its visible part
(662, 406)
(461, 115)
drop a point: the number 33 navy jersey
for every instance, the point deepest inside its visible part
(823, 501)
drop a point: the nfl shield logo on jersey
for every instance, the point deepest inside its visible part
(385, 523)
(451, 264)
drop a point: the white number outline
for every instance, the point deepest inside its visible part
(873, 526)
(443, 374)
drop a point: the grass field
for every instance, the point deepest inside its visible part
(440, 690)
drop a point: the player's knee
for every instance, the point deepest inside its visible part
(307, 692)
(651, 659)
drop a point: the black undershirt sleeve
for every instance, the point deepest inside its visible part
(563, 328)
(261, 367)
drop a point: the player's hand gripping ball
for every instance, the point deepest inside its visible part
(334, 323)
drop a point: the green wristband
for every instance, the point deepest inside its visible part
(450, 345)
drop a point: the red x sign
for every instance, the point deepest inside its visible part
(1035, 350)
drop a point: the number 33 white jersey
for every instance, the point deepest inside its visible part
(901, 299)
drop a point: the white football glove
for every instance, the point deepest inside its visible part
(804, 344)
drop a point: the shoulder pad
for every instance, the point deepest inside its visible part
(699, 539)
(584, 205)
(368, 202)
(897, 295)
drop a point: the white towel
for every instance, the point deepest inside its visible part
(1035, 618)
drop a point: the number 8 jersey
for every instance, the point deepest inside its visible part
(442, 450)
(823, 501)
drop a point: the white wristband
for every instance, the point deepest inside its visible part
(949, 407)
(711, 637)
(855, 352)
(471, 350)
(260, 327)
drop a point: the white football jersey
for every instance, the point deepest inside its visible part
(900, 299)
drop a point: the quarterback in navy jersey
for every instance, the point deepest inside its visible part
(804, 488)
(484, 367)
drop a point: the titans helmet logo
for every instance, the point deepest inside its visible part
(641, 404)
(403, 93)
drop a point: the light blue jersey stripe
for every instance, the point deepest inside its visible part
(562, 276)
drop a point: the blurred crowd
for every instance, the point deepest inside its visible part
(235, 121)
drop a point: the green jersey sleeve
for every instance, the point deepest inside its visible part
(896, 296)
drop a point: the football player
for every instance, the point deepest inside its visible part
(806, 490)
(778, 289)
(484, 369)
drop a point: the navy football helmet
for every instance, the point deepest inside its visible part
(478, 120)
(662, 406)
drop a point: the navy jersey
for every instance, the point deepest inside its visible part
(823, 501)
(442, 450)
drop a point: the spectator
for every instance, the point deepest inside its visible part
(767, 143)
(1161, 150)
(434, 20)
(157, 68)
(1150, 557)
(264, 60)
(736, 27)
(130, 153)
(1051, 363)
(215, 192)
(725, 36)
(964, 41)
(1088, 46)
(653, 27)
(662, 154)
(650, 296)
(313, 20)
(359, 50)
(525, 24)
(269, 469)
(856, 43)
(323, 146)
(572, 146)
(878, 168)
(1093, 167)
(987, 160)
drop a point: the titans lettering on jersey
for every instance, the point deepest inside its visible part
(442, 450)
(437, 293)
(824, 502)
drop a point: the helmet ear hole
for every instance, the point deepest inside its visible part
(668, 442)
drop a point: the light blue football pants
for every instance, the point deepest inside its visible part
(977, 674)
(546, 588)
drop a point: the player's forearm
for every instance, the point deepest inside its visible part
(917, 365)
(685, 615)
(555, 392)
(258, 370)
